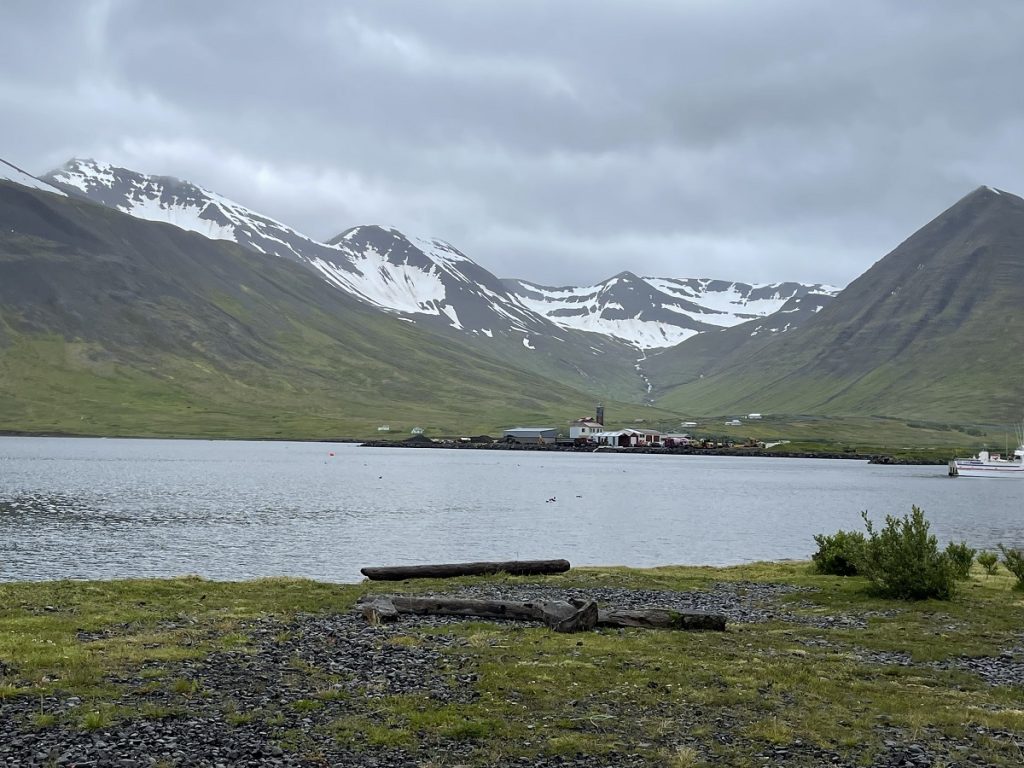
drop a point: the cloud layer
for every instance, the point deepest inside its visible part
(558, 142)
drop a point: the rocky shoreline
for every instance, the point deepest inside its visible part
(277, 700)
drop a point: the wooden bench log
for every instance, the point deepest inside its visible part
(661, 618)
(448, 570)
(560, 615)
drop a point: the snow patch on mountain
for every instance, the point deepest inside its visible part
(397, 289)
(729, 304)
(430, 280)
(657, 312)
(13, 173)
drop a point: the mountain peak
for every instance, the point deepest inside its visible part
(987, 194)
(625, 276)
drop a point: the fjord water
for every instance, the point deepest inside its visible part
(106, 508)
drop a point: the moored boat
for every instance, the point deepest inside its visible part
(987, 464)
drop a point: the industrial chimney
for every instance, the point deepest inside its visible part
(600, 414)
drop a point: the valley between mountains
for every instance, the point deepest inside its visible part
(146, 305)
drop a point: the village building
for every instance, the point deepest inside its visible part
(582, 429)
(627, 438)
(531, 434)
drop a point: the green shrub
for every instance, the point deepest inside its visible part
(989, 561)
(961, 558)
(903, 560)
(1013, 559)
(839, 553)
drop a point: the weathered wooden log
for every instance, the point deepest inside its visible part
(561, 616)
(448, 570)
(660, 618)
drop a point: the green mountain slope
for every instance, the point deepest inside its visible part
(113, 325)
(931, 331)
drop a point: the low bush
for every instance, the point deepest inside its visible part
(903, 560)
(1013, 559)
(839, 553)
(989, 561)
(961, 558)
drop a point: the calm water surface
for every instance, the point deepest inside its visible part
(93, 508)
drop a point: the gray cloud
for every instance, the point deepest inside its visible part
(558, 142)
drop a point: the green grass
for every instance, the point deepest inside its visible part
(50, 386)
(667, 696)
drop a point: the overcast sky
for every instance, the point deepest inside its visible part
(561, 141)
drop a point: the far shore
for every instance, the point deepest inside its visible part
(873, 458)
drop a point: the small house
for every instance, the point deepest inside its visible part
(754, 416)
(417, 431)
(648, 437)
(627, 438)
(583, 429)
(383, 428)
(621, 438)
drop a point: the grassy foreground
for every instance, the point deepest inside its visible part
(831, 675)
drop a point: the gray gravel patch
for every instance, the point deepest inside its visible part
(744, 602)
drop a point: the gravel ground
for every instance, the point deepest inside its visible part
(739, 601)
(295, 679)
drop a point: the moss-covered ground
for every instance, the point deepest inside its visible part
(837, 677)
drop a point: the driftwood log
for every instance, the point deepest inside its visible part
(560, 615)
(448, 570)
(661, 618)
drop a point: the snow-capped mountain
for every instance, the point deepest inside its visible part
(656, 312)
(431, 282)
(423, 280)
(414, 276)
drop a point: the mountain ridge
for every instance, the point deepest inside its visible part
(919, 335)
(426, 280)
(113, 324)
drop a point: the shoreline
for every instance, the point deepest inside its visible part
(879, 457)
(871, 458)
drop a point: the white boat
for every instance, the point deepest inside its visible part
(987, 464)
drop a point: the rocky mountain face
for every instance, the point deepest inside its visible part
(657, 312)
(433, 283)
(427, 281)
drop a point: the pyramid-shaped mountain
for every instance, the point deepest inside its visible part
(931, 331)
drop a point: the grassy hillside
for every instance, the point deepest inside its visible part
(930, 332)
(112, 325)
